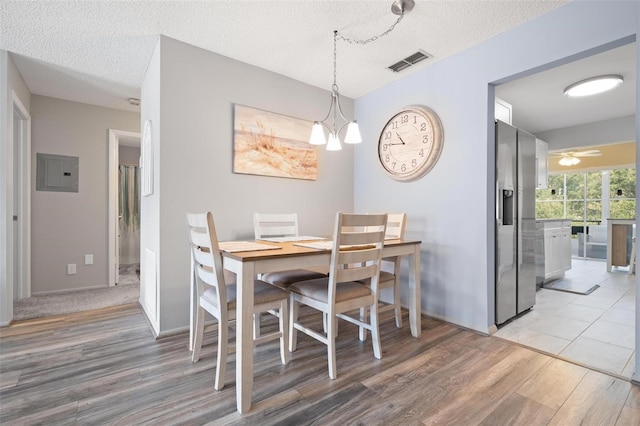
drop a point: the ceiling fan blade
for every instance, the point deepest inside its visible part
(593, 154)
(589, 152)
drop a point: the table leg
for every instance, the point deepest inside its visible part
(244, 337)
(415, 316)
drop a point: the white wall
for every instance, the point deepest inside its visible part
(616, 130)
(150, 204)
(193, 131)
(10, 82)
(68, 225)
(452, 208)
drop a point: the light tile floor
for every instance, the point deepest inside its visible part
(596, 330)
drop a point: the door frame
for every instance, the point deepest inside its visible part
(116, 138)
(21, 113)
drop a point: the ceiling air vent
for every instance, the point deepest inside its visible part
(409, 60)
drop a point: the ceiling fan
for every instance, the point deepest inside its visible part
(571, 158)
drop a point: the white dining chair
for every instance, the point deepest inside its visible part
(268, 225)
(220, 298)
(390, 270)
(355, 255)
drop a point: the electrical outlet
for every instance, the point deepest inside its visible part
(88, 259)
(71, 268)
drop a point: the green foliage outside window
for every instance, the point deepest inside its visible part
(623, 209)
(569, 201)
(624, 180)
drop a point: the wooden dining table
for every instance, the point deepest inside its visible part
(248, 264)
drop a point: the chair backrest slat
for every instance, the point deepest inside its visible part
(275, 225)
(356, 256)
(362, 237)
(356, 273)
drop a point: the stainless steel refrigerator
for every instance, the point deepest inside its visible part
(515, 221)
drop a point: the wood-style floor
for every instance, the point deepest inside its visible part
(104, 367)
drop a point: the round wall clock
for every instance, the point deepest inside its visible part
(410, 143)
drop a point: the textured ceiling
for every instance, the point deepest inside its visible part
(96, 52)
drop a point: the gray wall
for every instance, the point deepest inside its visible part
(193, 132)
(452, 208)
(10, 81)
(67, 225)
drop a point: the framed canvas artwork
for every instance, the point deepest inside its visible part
(270, 144)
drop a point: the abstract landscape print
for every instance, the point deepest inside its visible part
(270, 144)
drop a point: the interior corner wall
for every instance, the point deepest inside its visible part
(198, 90)
(67, 225)
(150, 203)
(636, 374)
(10, 82)
(6, 289)
(452, 209)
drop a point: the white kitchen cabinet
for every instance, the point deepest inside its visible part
(557, 248)
(552, 248)
(542, 169)
(503, 111)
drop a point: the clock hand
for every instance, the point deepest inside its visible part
(399, 137)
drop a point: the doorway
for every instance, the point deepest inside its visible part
(596, 328)
(124, 212)
(21, 200)
(129, 216)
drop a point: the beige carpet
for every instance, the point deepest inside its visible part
(128, 291)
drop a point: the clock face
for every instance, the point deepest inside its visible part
(410, 143)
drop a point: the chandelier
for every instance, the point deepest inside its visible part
(335, 120)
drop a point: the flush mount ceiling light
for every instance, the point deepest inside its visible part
(352, 136)
(593, 85)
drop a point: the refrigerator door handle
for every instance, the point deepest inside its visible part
(507, 207)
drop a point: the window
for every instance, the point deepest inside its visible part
(588, 199)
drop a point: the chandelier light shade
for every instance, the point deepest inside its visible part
(353, 133)
(593, 86)
(333, 143)
(569, 161)
(335, 120)
(317, 134)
